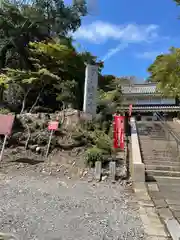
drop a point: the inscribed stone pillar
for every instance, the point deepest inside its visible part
(90, 90)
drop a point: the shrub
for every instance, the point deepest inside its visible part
(94, 154)
(78, 134)
(82, 135)
(106, 126)
(104, 142)
(111, 133)
(89, 125)
(4, 111)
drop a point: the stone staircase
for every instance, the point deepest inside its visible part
(158, 154)
(162, 164)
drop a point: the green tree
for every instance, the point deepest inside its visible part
(58, 78)
(165, 71)
(105, 82)
(36, 21)
(177, 2)
(28, 81)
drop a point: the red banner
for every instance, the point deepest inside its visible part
(116, 131)
(119, 132)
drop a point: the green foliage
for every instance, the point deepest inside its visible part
(104, 142)
(101, 140)
(40, 66)
(80, 133)
(89, 125)
(165, 71)
(35, 21)
(47, 70)
(110, 133)
(4, 111)
(101, 149)
(58, 74)
(177, 2)
(94, 154)
(22, 22)
(110, 82)
(54, 16)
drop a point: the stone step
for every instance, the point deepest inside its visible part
(166, 195)
(161, 148)
(161, 162)
(165, 161)
(166, 151)
(165, 154)
(163, 167)
(172, 189)
(151, 155)
(167, 179)
(168, 183)
(157, 152)
(149, 140)
(162, 173)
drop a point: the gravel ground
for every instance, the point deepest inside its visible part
(47, 208)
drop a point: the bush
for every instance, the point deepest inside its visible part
(104, 143)
(106, 126)
(88, 125)
(110, 133)
(4, 111)
(94, 154)
(78, 134)
(82, 135)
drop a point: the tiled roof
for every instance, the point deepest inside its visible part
(139, 88)
(153, 108)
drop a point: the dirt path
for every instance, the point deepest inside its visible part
(34, 206)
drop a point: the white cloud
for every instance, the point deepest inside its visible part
(149, 55)
(115, 50)
(98, 32)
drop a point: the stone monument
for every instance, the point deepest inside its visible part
(90, 90)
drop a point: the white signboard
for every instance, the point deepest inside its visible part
(90, 89)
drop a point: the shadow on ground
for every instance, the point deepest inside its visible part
(27, 160)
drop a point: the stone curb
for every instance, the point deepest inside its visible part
(174, 228)
(165, 214)
(137, 166)
(154, 228)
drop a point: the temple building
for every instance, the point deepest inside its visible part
(145, 98)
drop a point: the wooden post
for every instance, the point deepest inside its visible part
(98, 167)
(3, 147)
(112, 170)
(49, 143)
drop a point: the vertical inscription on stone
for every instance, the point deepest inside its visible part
(90, 89)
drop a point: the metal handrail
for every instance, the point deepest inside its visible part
(167, 128)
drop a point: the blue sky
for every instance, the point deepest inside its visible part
(129, 34)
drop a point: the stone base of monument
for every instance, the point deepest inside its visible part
(112, 170)
(100, 174)
(98, 170)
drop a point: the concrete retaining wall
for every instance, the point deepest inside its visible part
(137, 166)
